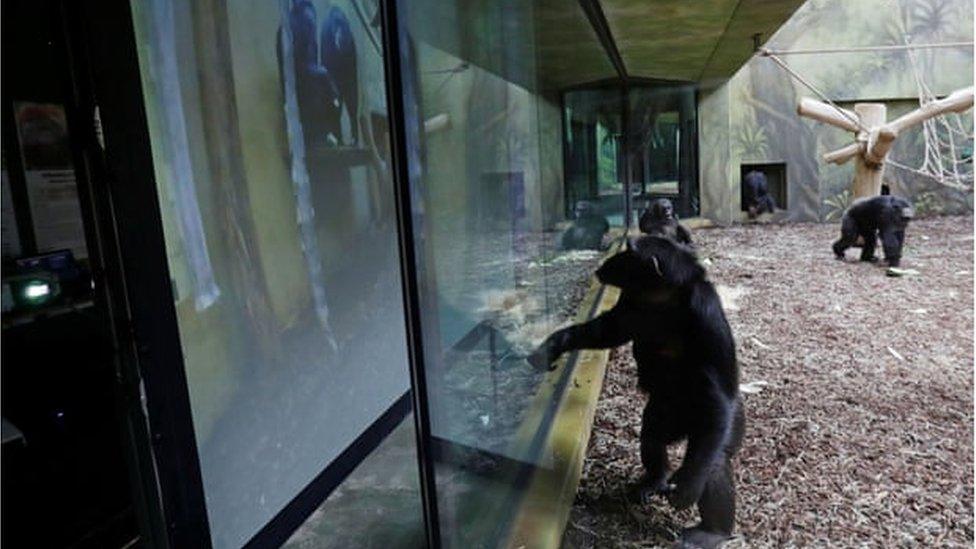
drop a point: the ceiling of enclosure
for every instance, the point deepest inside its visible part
(691, 40)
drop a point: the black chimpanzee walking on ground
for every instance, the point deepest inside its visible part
(686, 363)
(884, 215)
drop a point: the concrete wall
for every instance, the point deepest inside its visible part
(760, 121)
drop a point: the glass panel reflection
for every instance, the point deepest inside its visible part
(376, 507)
(490, 210)
(269, 130)
(595, 150)
(663, 127)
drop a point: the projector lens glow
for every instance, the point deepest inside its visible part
(37, 290)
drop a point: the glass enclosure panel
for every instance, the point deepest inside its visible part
(484, 148)
(595, 171)
(662, 125)
(269, 131)
(376, 506)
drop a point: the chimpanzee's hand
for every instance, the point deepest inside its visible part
(543, 358)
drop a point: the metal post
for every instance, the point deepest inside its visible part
(393, 37)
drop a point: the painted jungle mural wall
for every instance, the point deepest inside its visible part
(751, 119)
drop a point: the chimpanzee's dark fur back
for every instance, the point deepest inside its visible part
(692, 317)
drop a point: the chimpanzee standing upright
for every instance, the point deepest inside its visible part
(686, 363)
(587, 230)
(659, 219)
(885, 215)
(757, 199)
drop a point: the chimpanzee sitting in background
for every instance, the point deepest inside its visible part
(756, 195)
(884, 215)
(685, 357)
(659, 219)
(587, 230)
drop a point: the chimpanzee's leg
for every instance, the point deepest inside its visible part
(654, 453)
(892, 241)
(717, 510)
(870, 241)
(717, 503)
(848, 236)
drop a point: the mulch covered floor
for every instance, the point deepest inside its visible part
(862, 433)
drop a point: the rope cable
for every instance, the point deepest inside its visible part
(863, 49)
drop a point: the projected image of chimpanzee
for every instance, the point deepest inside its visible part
(756, 197)
(338, 56)
(886, 216)
(326, 78)
(659, 219)
(686, 363)
(587, 230)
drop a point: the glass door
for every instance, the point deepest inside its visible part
(483, 152)
(594, 149)
(663, 137)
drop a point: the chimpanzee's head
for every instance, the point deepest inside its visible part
(901, 211)
(651, 263)
(662, 210)
(583, 209)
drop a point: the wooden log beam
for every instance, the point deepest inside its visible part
(957, 101)
(880, 141)
(818, 110)
(437, 123)
(844, 154)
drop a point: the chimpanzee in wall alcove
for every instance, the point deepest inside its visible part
(886, 216)
(587, 230)
(659, 219)
(755, 188)
(686, 363)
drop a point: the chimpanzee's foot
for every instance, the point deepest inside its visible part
(699, 538)
(646, 488)
(871, 259)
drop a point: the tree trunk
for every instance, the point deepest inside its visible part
(867, 176)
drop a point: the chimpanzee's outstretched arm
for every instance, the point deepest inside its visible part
(683, 234)
(603, 332)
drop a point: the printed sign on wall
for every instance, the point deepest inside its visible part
(50, 178)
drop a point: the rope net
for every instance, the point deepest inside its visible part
(948, 145)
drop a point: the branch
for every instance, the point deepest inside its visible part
(818, 110)
(880, 141)
(842, 155)
(957, 101)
